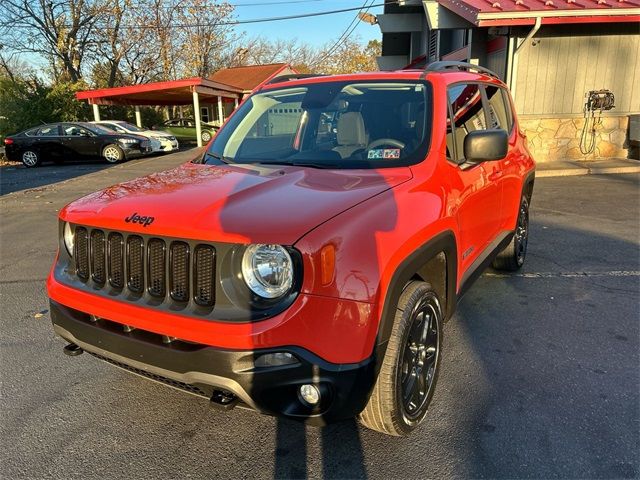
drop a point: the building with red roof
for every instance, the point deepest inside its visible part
(551, 53)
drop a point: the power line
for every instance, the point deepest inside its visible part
(347, 33)
(252, 4)
(239, 22)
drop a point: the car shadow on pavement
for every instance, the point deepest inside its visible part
(16, 178)
(341, 450)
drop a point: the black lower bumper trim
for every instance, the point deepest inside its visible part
(205, 371)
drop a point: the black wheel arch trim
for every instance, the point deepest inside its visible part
(408, 268)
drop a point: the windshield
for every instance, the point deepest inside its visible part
(329, 125)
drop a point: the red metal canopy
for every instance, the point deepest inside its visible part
(175, 92)
(487, 13)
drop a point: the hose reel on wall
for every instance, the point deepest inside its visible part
(596, 101)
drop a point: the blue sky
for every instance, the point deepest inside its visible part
(313, 30)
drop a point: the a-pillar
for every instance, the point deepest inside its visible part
(138, 117)
(96, 113)
(196, 111)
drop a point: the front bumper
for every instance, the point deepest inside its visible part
(206, 371)
(136, 151)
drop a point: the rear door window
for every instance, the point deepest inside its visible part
(48, 131)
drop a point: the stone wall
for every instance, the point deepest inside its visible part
(559, 138)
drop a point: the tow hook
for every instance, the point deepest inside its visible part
(72, 350)
(223, 399)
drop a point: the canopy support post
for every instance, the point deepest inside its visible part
(96, 112)
(196, 114)
(220, 114)
(138, 117)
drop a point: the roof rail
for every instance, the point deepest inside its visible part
(293, 76)
(443, 66)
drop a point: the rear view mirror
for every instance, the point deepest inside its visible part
(483, 145)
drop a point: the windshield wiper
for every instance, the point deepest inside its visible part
(220, 158)
(301, 164)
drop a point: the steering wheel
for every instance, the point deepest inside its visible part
(385, 141)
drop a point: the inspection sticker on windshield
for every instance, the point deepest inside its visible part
(387, 153)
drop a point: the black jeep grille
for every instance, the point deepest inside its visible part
(116, 260)
(81, 250)
(130, 264)
(179, 255)
(97, 248)
(204, 275)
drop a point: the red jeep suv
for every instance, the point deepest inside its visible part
(305, 264)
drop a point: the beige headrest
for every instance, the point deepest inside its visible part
(351, 129)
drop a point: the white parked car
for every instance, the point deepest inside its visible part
(160, 141)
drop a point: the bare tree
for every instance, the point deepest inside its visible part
(260, 50)
(61, 31)
(202, 45)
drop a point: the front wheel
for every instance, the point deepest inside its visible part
(206, 136)
(30, 158)
(407, 378)
(513, 255)
(112, 154)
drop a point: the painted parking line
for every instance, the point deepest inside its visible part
(612, 273)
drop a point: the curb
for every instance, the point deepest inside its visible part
(571, 172)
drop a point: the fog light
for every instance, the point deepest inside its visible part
(275, 359)
(310, 394)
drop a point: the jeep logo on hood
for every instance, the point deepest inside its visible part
(135, 218)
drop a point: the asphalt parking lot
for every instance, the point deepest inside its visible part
(540, 369)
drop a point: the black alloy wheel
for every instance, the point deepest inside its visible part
(522, 232)
(420, 357)
(514, 254)
(407, 379)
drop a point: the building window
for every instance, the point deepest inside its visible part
(204, 114)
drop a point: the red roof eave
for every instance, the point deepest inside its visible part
(489, 13)
(510, 22)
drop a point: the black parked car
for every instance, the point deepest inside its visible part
(60, 141)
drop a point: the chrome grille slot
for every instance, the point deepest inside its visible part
(116, 260)
(135, 264)
(98, 254)
(156, 261)
(204, 275)
(81, 253)
(179, 271)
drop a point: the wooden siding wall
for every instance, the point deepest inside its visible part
(496, 62)
(568, 61)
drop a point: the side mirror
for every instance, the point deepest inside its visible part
(483, 145)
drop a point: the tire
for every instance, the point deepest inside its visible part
(112, 153)
(514, 254)
(410, 354)
(205, 136)
(30, 158)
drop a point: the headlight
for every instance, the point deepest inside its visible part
(128, 140)
(267, 270)
(68, 238)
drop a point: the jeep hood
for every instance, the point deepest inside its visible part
(238, 204)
